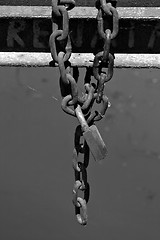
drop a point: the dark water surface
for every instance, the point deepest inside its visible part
(36, 143)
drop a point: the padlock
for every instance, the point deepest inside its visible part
(92, 136)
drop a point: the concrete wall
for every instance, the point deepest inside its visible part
(36, 144)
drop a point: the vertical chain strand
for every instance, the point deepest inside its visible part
(61, 50)
(106, 11)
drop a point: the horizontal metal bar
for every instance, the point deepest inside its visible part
(26, 59)
(78, 12)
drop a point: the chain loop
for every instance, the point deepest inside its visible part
(67, 82)
(81, 182)
(65, 106)
(60, 13)
(60, 18)
(100, 114)
(105, 7)
(102, 78)
(105, 11)
(69, 4)
(86, 102)
(55, 10)
(107, 44)
(100, 19)
(87, 105)
(96, 65)
(53, 47)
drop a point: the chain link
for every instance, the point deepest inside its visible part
(61, 50)
(106, 11)
(81, 182)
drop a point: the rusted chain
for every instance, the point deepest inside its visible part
(106, 10)
(68, 85)
(87, 138)
(61, 49)
(81, 183)
(69, 4)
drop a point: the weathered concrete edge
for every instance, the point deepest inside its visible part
(78, 59)
(77, 12)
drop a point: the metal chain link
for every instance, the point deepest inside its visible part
(106, 13)
(61, 50)
(81, 182)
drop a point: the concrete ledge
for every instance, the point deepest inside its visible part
(78, 59)
(78, 12)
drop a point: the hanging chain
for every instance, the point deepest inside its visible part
(61, 50)
(81, 182)
(107, 14)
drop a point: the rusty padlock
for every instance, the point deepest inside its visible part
(92, 136)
